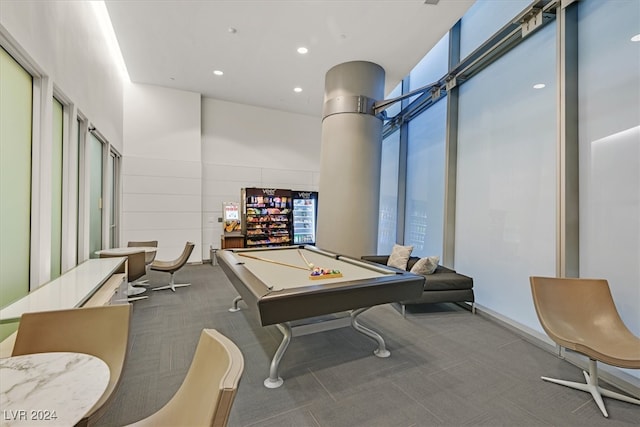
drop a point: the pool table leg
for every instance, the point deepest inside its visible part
(381, 351)
(275, 381)
(235, 307)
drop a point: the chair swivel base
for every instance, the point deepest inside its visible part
(591, 386)
(131, 293)
(172, 286)
(133, 290)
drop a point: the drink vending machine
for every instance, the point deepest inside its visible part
(305, 211)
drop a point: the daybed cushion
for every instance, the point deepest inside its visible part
(426, 265)
(445, 279)
(399, 256)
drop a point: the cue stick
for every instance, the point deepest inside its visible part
(306, 261)
(274, 262)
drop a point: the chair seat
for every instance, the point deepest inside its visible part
(607, 344)
(579, 314)
(163, 265)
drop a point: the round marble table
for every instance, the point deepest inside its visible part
(50, 388)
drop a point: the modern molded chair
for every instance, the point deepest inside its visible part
(99, 331)
(172, 266)
(136, 268)
(209, 388)
(580, 315)
(149, 256)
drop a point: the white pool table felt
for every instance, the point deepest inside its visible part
(279, 277)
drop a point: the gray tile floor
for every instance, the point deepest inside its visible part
(447, 368)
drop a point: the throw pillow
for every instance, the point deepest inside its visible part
(426, 265)
(399, 256)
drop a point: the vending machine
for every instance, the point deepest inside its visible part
(305, 212)
(266, 217)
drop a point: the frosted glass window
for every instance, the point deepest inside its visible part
(77, 189)
(424, 214)
(56, 190)
(506, 183)
(432, 67)
(16, 87)
(388, 216)
(113, 228)
(484, 19)
(609, 138)
(95, 195)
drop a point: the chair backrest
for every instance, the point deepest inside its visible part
(209, 388)
(186, 253)
(150, 256)
(136, 265)
(139, 244)
(580, 314)
(178, 263)
(99, 331)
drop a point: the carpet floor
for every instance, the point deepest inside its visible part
(448, 367)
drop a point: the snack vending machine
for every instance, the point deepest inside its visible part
(266, 217)
(305, 211)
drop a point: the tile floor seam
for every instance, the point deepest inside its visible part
(401, 390)
(322, 385)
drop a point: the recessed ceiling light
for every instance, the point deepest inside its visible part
(297, 89)
(636, 38)
(539, 86)
(232, 30)
(218, 72)
(302, 50)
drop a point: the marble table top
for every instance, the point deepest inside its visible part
(127, 250)
(50, 388)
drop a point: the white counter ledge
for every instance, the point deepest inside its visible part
(72, 289)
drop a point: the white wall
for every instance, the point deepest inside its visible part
(245, 146)
(184, 156)
(161, 170)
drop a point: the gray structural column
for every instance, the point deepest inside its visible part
(350, 159)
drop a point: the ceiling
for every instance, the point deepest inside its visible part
(178, 44)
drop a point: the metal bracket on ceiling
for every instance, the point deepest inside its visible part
(531, 22)
(451, 82)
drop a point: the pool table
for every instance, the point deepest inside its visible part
(276, 283)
